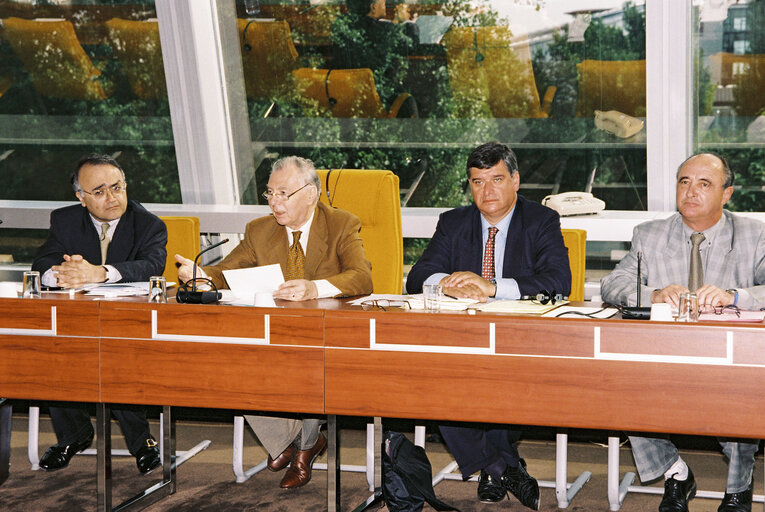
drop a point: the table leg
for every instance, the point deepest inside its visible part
(333, 466)
(103, 456)
(6, 412)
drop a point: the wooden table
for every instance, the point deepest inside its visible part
(601, 374)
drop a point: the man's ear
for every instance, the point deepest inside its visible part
(81, 197)
(726, 194)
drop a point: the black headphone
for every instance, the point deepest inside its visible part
(245, 44)
(332, 101)
(543, 297)
(326, 186)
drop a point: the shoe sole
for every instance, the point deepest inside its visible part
(50, 470)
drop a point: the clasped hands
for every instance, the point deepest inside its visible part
(75, 271)
(709, 296)
(294, 290)
(467, 285)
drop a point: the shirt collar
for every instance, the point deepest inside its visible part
(304, 230)
(503, 226)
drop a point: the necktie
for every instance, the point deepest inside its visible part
(104, 241)
(696, 273)
(295, 259)
(487, 272)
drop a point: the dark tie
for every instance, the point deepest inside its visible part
(487, 272)
(104, 241)
(696, 273)
(295, 259)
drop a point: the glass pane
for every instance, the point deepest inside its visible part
(729, 79)
(77, 77)
(414, 86)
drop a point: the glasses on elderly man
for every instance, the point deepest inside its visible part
(282, 196)
(101, 192)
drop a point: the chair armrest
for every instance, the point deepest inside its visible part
(547, 100)
(399, 102)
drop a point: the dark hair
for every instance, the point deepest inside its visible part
(728, 176)
(93, 159)
(360, 7)
(489, 154)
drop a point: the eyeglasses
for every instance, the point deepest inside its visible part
(384, 304)
(719, 310)
(270, 194)
(100, 192)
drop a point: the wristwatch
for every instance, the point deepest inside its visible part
(733, 292)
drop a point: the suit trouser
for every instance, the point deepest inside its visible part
(5, 439)
(655, 455)
(276, 434)
(478, 448)
(73, 424)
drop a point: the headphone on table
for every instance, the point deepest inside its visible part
(543, 297)
(245, 44)
(332, 101)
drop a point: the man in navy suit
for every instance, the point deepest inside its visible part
(501, 230)
(105, 239)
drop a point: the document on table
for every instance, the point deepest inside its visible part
(416, 301)
(246, 282)
(117, 289)
(729, 315)
(432, 27)
(519, 306)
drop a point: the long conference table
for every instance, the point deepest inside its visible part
(701, 379)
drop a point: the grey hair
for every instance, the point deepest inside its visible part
(93, 159)
(304, 165)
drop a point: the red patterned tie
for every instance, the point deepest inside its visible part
(488, 256)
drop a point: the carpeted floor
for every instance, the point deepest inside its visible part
(206, 482)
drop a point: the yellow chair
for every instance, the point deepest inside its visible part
(183, 239)
(344, 92)
(490, 74)
(54, 59)
(745, 72)
(576, 242)
(611, 85)
(137, 46)
(268, 57)
(372, 196)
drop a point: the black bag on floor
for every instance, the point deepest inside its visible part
(407, 476)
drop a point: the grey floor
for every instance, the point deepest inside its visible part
(206, 482)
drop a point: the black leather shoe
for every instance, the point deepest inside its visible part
(737, 501)
(147, 457)
(678, 493)
(522, 485)
(490, 490)
(58, 456)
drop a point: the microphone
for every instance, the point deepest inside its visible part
(193, 296)
(637, 312)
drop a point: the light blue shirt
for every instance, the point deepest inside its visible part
(507, 288)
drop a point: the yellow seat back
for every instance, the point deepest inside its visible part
(611, 85)
(137, 46)
(576, 242)
(341, 92)
(487, 76)
(183, 239)
(268, 57)
(54, 59)
(372, 196)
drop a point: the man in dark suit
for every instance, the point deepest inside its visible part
(106, 238)
(319, 249)
(502, 230)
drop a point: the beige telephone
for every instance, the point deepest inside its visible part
(617, 123)
(574, 203)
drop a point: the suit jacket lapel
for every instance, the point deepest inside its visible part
(276, 245)
(91, 249)
(317, 243)
(514, 243)
(122, 240)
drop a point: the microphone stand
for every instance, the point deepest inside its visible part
(193, 296)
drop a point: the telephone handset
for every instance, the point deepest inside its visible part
(574, 203)
(619, 124)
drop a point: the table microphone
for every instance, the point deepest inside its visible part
(193, 296)
(637, 312)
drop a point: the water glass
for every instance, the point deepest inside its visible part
(31, 286)
(689, 308)
(157, 289)
(432, 295)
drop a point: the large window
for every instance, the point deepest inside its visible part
(414, 86)
(729, 78)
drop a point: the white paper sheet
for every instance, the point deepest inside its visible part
(246, 282)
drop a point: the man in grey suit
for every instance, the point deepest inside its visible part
(731, 254)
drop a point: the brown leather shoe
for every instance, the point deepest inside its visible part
(299, 472)
(283, 460)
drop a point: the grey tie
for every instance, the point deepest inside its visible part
(104, 241)
(696, 273)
